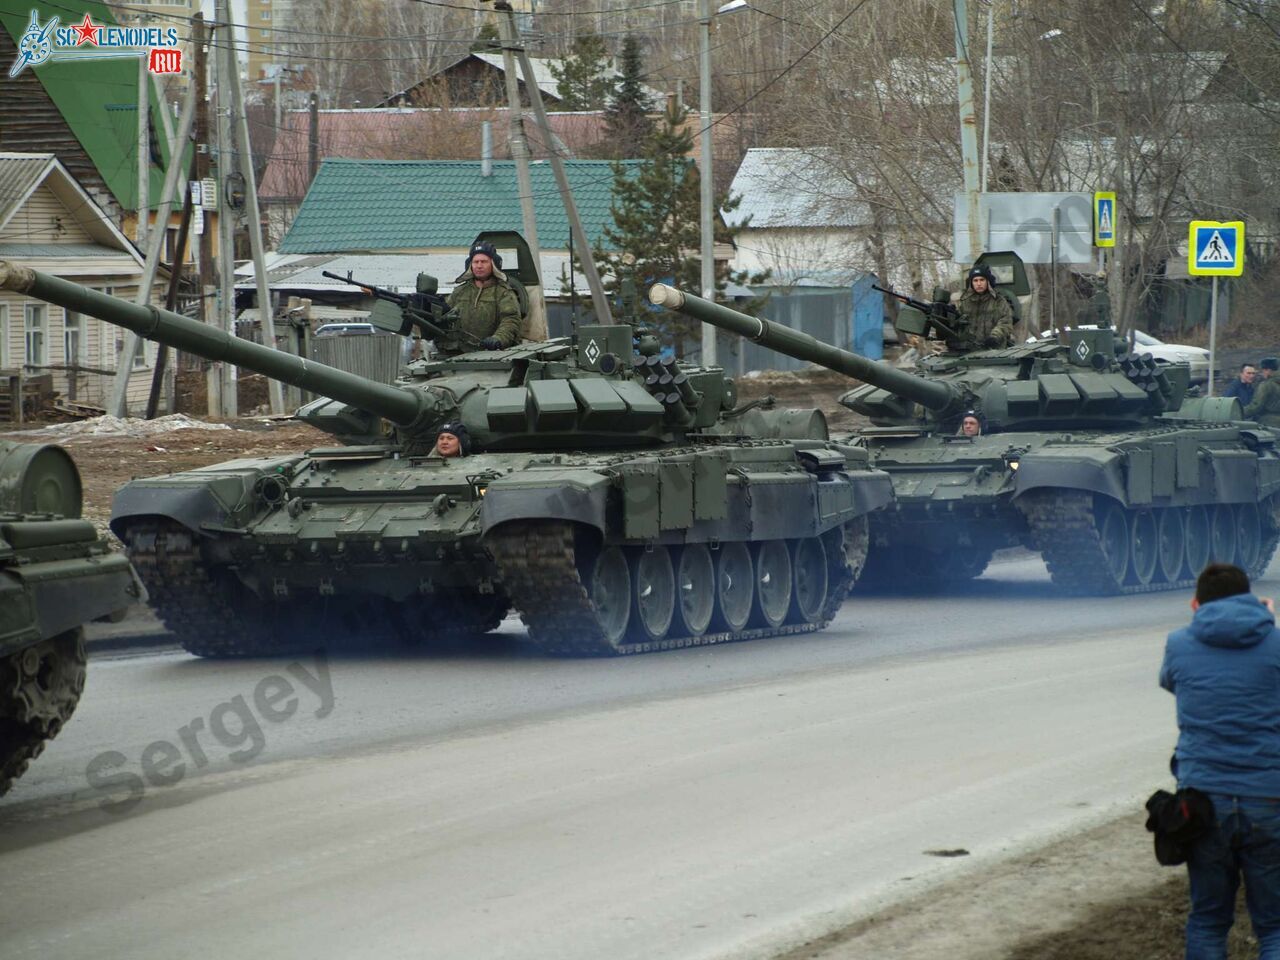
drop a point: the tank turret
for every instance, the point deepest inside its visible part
(620, 500)
(1083, 382)
(1079, 449)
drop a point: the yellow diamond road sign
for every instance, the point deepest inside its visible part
(1216, 249)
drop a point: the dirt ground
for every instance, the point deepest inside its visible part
(1099, 896)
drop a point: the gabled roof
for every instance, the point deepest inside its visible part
(98, 99)
(368, 205)
(542, 75)
(406, 133)
(21, 174)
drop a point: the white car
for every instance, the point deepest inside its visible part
(1161, 352)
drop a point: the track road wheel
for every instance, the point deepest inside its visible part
(1169, 532)
(40, 686)
(1199, 541)
(809, 587)
(653, 593)
(1222, 534)
(1144, 546)
(610, 593)
(695, 589)
(1113, 537)
(1248, 535)
(773, 583)
(735, 586)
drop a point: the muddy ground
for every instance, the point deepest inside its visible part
(1098, 896)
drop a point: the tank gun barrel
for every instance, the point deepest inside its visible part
(934, 395)
(396, 404)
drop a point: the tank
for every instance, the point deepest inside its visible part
(618, 500)
(56, 574)
(1093, 456)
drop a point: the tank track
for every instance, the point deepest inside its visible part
(537, 563)
(39, 689)
(209, 620)
(1063, 529)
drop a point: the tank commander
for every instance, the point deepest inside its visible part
(1265, 405)
(1242, 386)
(452, 440)
(487, 308)
(970, 425)
(986, 315)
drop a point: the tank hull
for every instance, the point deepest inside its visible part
(1109, 513)
(56, 574)
(337, 549)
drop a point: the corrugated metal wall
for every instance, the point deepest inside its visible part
(372, 355)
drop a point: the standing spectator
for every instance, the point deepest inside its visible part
(1224, 670)
(1242, 386)
(1265, 405)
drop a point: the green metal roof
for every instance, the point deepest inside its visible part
(97, 98)
(356, 205)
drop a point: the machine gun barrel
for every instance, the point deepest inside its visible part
(934, 395)
(397, 404)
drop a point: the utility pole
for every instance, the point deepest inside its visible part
(524, 182)
(144, 150)
(706, 180)
(968, 124)
(313, 139)
(224, 40)
(579, 237)
(275, 394)
(119, 402)
(204, 244)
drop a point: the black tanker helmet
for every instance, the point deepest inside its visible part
(459, 430)
(980, 270)
(488, 249)
(1270, 363)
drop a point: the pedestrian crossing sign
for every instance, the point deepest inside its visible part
(1104, 219)
(1216, 249)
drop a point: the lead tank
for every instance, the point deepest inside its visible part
(56, 574)
(620, 501)
(1093, 456)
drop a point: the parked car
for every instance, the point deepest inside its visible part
(344, 328)
(1196, 357)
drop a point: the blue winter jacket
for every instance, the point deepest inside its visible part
(1224, 670)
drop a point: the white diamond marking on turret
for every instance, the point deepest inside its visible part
(592, 351)
(1082, 349)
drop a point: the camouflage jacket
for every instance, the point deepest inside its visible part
(989, 316)
(489, 311)
(1265, 407)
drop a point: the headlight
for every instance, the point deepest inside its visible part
(1013, 464)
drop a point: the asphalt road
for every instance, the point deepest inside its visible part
(731, 801)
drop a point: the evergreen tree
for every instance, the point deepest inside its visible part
(486, 40)
(656, 233)
(581, 82)
(626, 119)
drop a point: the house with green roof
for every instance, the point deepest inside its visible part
(438, 206)
(85, 112)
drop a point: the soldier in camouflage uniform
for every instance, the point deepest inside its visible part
(988, 314)
(487, 307)
(1265, 406)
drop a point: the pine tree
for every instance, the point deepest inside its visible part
(656, 233)
(581, 82)
(626, 119)
(486, 38)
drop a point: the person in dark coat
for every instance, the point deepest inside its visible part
(1242, 386)
(1224, 671)
(1265, 405)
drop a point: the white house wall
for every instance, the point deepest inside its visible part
(44, 219)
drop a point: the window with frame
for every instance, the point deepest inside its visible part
(35, 326)
(73, 339)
